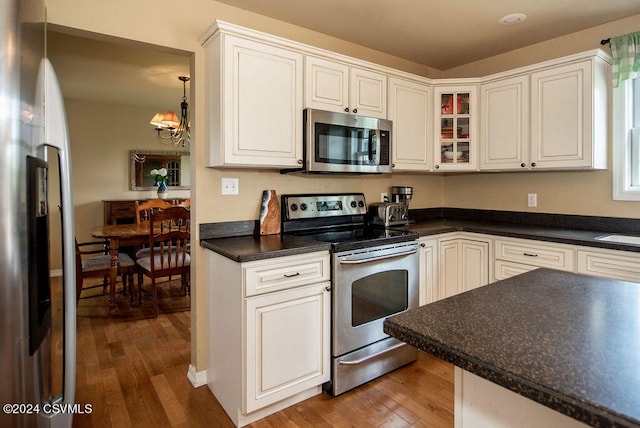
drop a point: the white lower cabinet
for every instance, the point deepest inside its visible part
(428, 270)
(463, 264)
(269, 332)
(614, 264)
(287, 343)
(515, 256)
(456, 262)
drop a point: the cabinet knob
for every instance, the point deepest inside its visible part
(299, 161)
(355, 110)
(327, 288)
(346, 109)
(523, 164)
(422, 244)
(533, 164)
(437, 166)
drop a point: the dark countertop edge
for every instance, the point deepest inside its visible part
(587, 412)
(216, 247)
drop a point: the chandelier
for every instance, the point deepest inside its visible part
(170, 129)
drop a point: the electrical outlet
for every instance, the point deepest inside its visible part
(230, 186)
(384, 197)
(532, 200)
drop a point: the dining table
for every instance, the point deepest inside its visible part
(120, 235)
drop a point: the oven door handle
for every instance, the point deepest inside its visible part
(354, 260)
(372, 356)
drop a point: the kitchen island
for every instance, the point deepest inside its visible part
(566, 341)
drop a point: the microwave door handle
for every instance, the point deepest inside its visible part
(373, 145)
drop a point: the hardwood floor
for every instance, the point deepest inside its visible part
(133, 371)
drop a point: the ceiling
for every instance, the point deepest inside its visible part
(118, 72)
(442, 33)
(437, 33)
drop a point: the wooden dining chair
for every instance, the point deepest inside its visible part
(181, 202)
(169, 240)
(144, 209)
(94, 261)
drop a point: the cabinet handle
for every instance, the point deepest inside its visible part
(533, 164)
(346, 109)
(286, 275)
(529, 255)
(523, 164)
(355, 110)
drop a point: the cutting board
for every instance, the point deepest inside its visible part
(269, 213)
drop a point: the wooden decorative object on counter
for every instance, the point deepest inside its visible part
(269, 213)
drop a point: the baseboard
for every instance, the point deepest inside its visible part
(197, 379)
(55, 273)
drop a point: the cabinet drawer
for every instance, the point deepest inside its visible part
(535, 254)
(610, 264)
(504, 270)
(265, 276)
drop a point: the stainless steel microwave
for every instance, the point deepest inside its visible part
(346, 143)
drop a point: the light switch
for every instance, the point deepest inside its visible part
(230, 186)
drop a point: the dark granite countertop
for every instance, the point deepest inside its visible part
(237, 240)
(250, 248)
(570, 342)
(540, 233)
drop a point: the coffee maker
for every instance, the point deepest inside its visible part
(401, 194)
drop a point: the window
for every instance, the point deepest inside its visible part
(626, 141)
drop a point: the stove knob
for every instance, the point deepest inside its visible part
(293, 207)
(353, 204)
(392, 217)
(404, 216)
(303, 207)
(361, 204)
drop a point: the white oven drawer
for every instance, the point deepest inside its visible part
(553, 256)
(266, 276)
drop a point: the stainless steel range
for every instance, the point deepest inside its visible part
(374, 275)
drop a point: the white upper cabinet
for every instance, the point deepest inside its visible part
(554, 116)
(411, 113)
(569, 116)
(549, 115)
(339, 87)
(254, 99)
(456, 128)
(504, 124)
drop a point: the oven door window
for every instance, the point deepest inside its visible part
(378, 296)
(345, 145)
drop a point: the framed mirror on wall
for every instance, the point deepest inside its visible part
(177, 163)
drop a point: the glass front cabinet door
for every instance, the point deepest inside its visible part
(456, 129)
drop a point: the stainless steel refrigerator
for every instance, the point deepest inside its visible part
(33, 136)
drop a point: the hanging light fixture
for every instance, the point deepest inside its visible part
(170, 129)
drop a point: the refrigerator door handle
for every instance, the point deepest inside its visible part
(56, 135)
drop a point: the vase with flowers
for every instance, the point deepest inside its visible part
(161, 177)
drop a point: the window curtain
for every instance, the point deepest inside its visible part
(625, 50)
